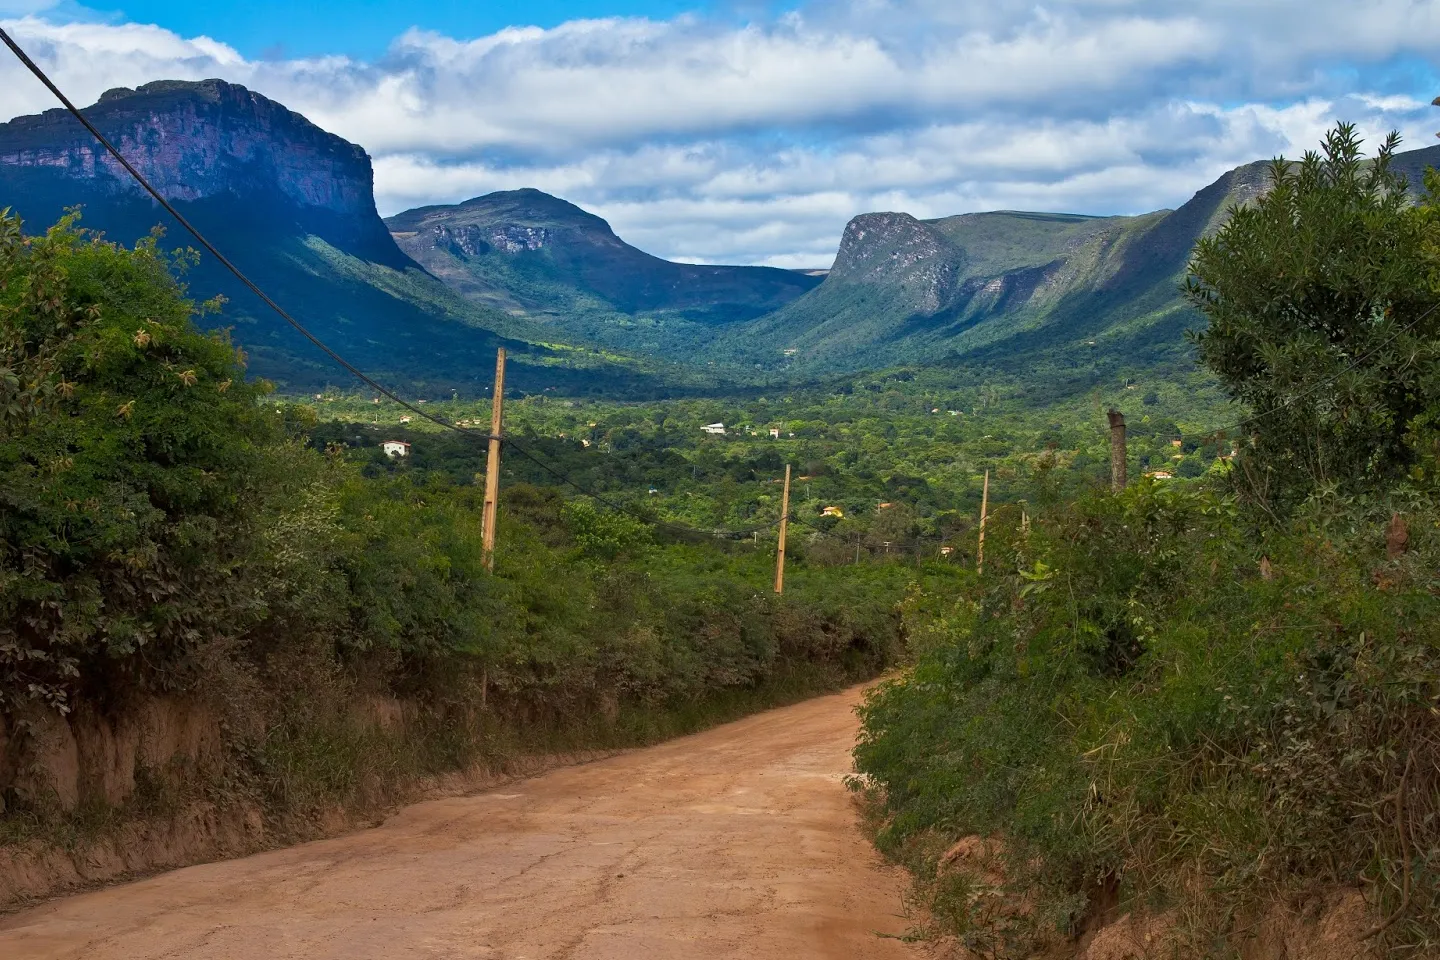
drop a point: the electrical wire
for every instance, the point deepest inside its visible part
(354, 371)
(220, 257)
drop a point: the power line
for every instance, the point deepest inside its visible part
(332, 354)
(223, 260)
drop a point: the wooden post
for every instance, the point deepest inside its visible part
(492, 466)
(1118, 468)
(984, 512)
(784, 525)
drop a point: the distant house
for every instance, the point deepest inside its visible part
(714, 429)
(774, 433)
(405, 419)
(885, 506)
(946, 551)
(1176, 443)
(1160, 475)
(395, 448)
(832, 512)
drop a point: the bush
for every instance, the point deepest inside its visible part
(129, 449)
(1148, 697)
(1323, 321)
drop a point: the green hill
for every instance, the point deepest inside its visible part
(293, 206)
(1013, 290)
(543, 258)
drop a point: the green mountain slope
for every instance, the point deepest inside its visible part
(293, 206)
(541, 257)
(1007, 289)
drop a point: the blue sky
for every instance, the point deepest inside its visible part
(364, 28)
(751, 132)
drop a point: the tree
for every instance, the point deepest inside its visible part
(1323, 319)
(128, 451)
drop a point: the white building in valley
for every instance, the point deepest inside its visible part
(395, 448)
(714, 429)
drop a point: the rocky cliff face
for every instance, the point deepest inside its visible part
(897, 250)
(293, 207)
(195, 142)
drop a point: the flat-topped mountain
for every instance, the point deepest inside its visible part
(423, 299)
(530, 253)
(294, 207)
(206, 140)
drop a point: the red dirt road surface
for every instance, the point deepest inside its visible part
(740, 842)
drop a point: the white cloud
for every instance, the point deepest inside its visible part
(702, 140)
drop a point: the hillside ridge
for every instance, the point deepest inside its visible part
(1017, 289)
(294, 207)
(536, 255)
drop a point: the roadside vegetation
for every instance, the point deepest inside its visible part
(1203, 699)
(1210, 693)
(169, 529)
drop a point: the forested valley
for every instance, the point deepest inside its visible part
(1205, 700)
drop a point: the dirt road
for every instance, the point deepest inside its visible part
(736, 843)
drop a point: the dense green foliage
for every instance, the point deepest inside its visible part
(1203, 698)
(166, 528)
(128, 452)
(908, 437)
(1323, 321)
(1149, 698)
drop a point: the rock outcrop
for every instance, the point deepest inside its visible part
(292, 205)
(196, 141)
(897, 251)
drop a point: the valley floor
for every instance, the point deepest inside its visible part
(740, 842)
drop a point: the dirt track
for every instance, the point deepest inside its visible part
(736, 843)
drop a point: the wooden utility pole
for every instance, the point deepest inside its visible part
(784, 525)
(1118, 470)
(984, 512)
(492, 466)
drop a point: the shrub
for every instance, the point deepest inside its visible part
(1146, 695)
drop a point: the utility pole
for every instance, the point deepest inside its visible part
(492, 466)
(1118, 469)
(784, 525)
(984, 512)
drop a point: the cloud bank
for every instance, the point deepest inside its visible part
(705, 141)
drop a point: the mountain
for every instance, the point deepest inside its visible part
(544, 258)
(294, 207)
(1006, 289)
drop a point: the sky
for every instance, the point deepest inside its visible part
(751, 131)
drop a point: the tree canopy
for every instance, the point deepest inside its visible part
(1323, 319)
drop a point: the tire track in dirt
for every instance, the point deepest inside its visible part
(740, 842)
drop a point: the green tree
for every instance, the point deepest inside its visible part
(1322, 319)
(128, 445)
